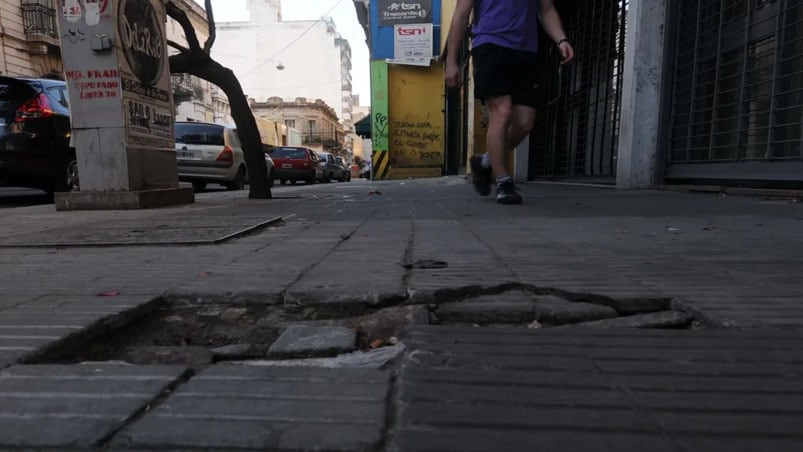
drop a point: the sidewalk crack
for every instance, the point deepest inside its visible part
(106, 442)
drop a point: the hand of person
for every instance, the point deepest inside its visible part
(567, 51)
(454, 78)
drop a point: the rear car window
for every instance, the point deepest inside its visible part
(12, 95)
(58, 99)
(289, 153)
(210, 134)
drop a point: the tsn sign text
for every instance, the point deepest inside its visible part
(411, 31)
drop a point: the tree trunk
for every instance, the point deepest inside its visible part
(202, 66)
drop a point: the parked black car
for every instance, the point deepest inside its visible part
(35, 135)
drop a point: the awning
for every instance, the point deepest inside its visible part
(363, 127)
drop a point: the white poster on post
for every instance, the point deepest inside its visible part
(413, 42)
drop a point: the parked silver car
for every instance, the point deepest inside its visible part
(346, 169)
(331, 168)
(209, 153)
(212, 153)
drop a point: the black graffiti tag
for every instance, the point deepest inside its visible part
(381, 124)
(75, 35)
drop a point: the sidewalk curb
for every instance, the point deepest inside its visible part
(237, 234)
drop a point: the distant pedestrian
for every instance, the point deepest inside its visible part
(506, 76)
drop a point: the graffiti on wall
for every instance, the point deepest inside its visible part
(416, 141)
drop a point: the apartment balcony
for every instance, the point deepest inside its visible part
(186, 88)
(39, 23)
(327, 139)
(219, 96)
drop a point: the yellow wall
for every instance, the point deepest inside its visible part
(268, 132)
(416, 119)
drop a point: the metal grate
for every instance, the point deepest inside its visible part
(577, 133)
(738, 84)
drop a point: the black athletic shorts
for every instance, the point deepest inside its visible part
(500, 71)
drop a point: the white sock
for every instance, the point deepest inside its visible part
(486, 160)
(503, 179)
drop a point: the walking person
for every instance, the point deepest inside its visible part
(505, 54)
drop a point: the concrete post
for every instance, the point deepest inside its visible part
(118, 79)
(641, 94)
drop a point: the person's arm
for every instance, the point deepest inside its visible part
(553, 26)
(457, 33)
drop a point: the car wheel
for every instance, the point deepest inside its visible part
(309, 180)
(199, 186)
(67, 176)
(283, 181)
(271, 179)
(71, 179)
(293, 182)
(239, 180)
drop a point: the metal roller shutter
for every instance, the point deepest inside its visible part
(737, 91)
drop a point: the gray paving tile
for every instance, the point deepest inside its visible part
(268, 408)
(636, 390)
(74, 406)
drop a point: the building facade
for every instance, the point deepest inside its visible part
(29, 39)
(316, 122)
(693, 91)
(195, 99)
(288, 59)
(408, 125)
(688, 91)
(30, 46)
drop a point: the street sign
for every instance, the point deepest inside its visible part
(392, 12)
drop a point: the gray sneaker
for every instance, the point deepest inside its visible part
(506, 193)
(480, 176)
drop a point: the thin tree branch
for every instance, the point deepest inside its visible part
(180, 16)
(210, 18)
(178, 46)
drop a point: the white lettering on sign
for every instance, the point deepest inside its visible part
(140, 39)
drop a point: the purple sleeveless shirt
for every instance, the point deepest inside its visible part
(508, 23)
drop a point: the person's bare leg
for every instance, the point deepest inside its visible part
(500, 110)
(521, 124)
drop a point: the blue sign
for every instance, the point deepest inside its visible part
(383, 36)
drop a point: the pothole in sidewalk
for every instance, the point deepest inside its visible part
(531, 307)
(200, 334)
(203, 332)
